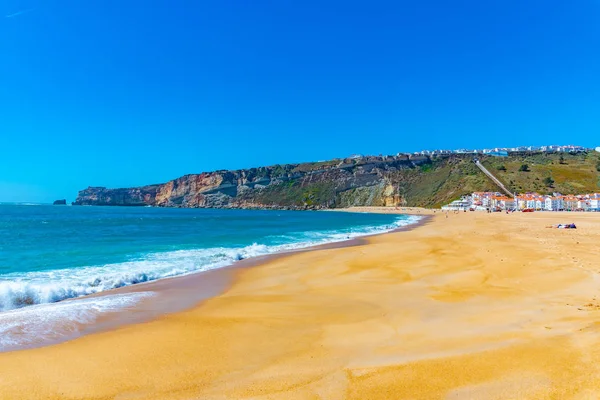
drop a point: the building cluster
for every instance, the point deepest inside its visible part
(496, 201)
(504, 151)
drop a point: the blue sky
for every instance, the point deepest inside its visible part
(122, 93)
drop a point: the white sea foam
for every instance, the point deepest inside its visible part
(47, 323)
(40, 287)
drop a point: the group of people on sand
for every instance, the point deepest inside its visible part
(563, 226)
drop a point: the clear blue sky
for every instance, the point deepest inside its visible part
(129, 92)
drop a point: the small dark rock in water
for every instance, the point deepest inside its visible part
(62, 202)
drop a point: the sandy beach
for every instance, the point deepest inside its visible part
(468, 305)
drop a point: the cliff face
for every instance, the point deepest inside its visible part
(101, 196)
(295, 186)
(370, 181)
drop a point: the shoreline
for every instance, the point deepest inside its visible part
(181, 292)
(475, 305)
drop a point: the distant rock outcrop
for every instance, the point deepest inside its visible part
(62, 202)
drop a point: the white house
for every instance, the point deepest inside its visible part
(595, 201)
(509, 204)
(458, 205)
(583, 204)
(570, 203)
(540, 203)
(486, 201)
(554, 203)
(521, 203)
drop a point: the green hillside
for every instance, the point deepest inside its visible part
(547, 173)
(447, 178)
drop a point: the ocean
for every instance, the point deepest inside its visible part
(54, 253)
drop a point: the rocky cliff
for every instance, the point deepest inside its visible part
(384, 180)
(101, 196)
(356, 181)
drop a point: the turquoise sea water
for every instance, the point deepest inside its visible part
(52, 253)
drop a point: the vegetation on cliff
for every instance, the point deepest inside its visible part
(547, 173)
(390, 181)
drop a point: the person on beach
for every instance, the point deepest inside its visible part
(563, 226)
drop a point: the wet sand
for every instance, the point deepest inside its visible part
(160, 297)
(475, 305)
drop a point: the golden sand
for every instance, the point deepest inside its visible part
(472, 306)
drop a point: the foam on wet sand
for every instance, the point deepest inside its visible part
(52, 323)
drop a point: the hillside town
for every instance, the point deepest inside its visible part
(494, 151)
(505, 151)
(496, 201)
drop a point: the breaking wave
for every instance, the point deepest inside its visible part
(41, 287)
(37, 325)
